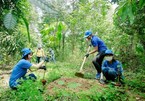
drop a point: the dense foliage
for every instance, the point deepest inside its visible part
(129, 18)
(62, 28)
(14, 27)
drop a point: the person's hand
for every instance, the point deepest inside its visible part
(42, 67)
(87, 55)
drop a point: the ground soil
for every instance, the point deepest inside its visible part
(4, 78)
(64, 82)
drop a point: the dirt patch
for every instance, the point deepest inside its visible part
(4, 79)
(71, 84)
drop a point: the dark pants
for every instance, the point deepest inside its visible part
(109, 74)
(38, 59)
(97, 61)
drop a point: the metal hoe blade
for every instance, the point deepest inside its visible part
(79, 74)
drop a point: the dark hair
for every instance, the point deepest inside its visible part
(25, 57)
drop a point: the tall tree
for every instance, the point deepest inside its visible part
(14, 25)
(130, 16)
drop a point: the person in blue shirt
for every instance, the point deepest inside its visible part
(111, 68)
(20, 69)
(100, 47)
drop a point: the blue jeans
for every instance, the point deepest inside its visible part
(30, 77)
(110, 74)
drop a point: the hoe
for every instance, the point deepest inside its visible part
(80, 73)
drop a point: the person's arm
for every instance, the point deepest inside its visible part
(104, 65)
(36, 66)
(95, 50)
(119, 68)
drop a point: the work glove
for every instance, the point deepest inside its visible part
(46, 59)
(42, 67)
(87, 55)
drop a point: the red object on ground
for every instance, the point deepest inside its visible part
(43, 82)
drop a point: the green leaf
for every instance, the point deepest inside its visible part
(59, 36)
(134, 6)
(27, 26)
(124, 13)
(59, 31)
(130, 14)
(10, 21)
(60, 27)
(141, 3)
(139, 48)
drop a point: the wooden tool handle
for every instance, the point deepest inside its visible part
(84, 59)
(88, 49)
(83, 63)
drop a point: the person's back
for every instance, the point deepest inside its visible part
(113, 65)
(96, 41)
(40, 52)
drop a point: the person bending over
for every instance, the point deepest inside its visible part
(100, 47)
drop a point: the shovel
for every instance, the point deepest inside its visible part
(80, 74)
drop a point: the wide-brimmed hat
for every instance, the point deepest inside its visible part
(25, 52)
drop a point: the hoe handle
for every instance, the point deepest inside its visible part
(84, 59)
(44, 72)
(83, 63)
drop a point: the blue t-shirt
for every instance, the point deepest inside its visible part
(19, 70)
(97, 42)
(115, 65)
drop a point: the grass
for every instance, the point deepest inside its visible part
(29, 91)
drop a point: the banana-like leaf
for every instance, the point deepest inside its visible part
(59, 31)
(10, 21)
(27, 26)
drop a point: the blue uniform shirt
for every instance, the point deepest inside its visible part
(19, 70)
(96, 41)
(115, 65)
